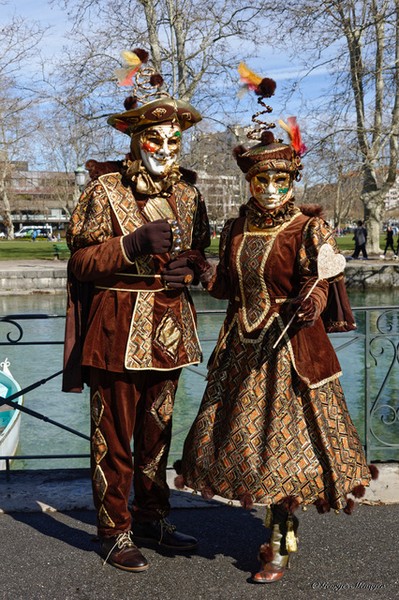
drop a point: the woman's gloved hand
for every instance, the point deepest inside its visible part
(151, 238)
(306, 311)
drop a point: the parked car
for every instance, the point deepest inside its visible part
(27, 231)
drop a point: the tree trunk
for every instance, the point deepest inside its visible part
(374, 208)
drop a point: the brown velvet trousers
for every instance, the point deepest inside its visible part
(130, 405)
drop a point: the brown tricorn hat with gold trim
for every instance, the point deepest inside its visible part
(153, 113)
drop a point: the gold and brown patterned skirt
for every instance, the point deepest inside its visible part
(261, 432)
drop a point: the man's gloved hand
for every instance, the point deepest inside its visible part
(307, 312)
(178, 273)
(151, 238)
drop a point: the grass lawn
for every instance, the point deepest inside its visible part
(44, 250)
(345, 243)
(26, 249)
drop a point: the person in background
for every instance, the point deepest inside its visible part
(360, 237)
(137, 238)
(388, 242)
(273, 427)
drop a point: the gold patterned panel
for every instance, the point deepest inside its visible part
(127, 212)
(168, 335)
(251, 259)
(190, 338)
(186, 202)
(97, 408)
(151, 469)
(99, 445)
(100, 482)
(139, 347)
(162, 408)
(104, 518)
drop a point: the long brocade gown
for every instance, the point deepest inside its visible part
(273, 423)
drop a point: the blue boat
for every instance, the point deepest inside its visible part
(10, 418)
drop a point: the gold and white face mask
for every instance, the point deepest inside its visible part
(271, 189)
(160, 148)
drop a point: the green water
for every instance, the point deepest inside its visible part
(32, 363)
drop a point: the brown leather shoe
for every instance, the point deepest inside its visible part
(164, 534)
(120, 551)
(269, 574)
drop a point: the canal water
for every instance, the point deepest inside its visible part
(30, 363)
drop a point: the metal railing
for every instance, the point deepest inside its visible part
(369, 357)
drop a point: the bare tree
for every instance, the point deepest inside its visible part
(18, 121)
(193, 44)
(338, 186)
(357, 41)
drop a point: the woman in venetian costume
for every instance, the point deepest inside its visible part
(273, 427)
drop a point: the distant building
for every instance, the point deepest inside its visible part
(39, 196)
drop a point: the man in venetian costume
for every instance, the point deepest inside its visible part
(136, 236)
(273, 427)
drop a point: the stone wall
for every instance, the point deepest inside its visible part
(52, 279)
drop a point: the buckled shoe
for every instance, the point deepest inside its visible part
(121, 552)
(164, 534)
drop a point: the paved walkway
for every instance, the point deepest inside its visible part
(49, 550)
(54, 556)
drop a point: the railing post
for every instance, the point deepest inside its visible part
(367, 437)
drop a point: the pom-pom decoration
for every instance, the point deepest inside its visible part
(266, 553)
(373, 471)
(133, 63)
(292, 128)
(262, 86)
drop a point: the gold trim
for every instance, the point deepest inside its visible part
(125, 256)
(123, 274)
(103, 287)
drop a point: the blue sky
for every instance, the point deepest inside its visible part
(270, 62)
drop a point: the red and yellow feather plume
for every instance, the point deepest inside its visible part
(133, 63)
(292, 128)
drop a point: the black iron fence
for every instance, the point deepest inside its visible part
(369, 357)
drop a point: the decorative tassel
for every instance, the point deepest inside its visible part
(290, 538)
(268, 517)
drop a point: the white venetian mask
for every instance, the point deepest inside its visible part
(160, 148)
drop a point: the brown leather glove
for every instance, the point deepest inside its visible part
(151, 238)
(188, 268)
(307, 312)
(178, 273)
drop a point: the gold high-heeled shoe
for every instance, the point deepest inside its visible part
(275, 556)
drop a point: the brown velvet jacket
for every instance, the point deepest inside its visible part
(119, 315)
(260, 272)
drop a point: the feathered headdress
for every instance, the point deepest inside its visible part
(270, 153)
(148, 103)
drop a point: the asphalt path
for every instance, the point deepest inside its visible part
(54, 555)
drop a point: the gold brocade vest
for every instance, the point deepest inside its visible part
(175, 330)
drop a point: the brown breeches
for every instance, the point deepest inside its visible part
(134, 405)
